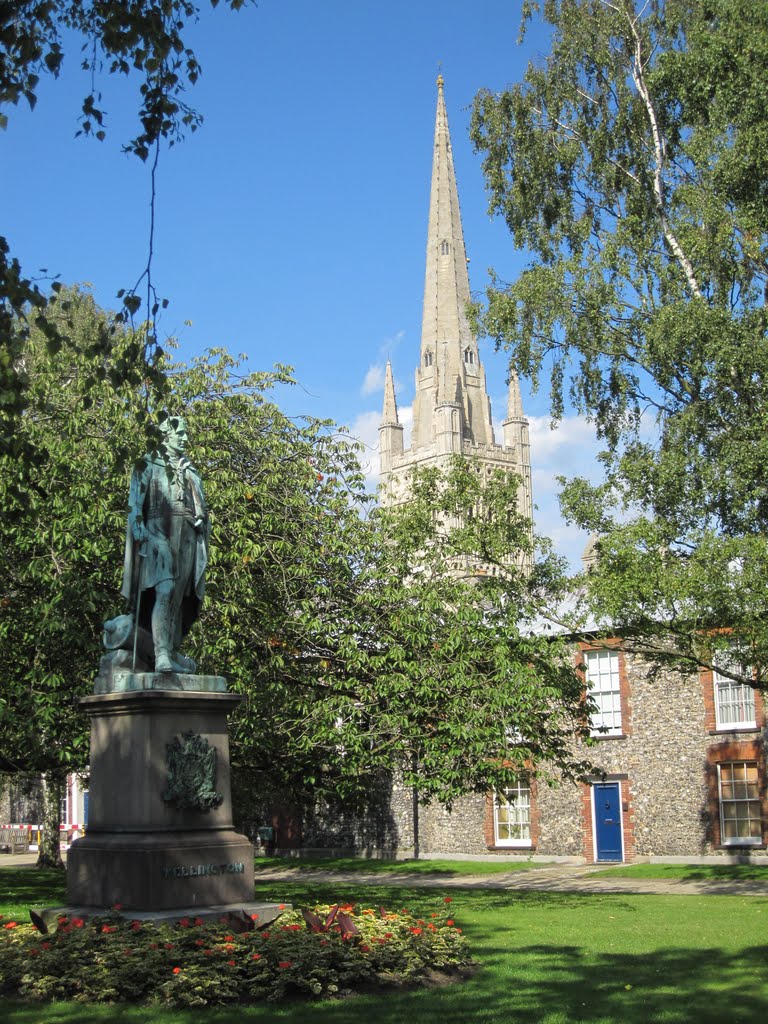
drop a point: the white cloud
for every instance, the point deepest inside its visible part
(389, 345)
(568, 450)
(405, 415)
(374, 379)
(365, 429)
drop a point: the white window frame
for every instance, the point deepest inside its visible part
(735, 798)
(603, 679)
(742, 696)
(519, 809)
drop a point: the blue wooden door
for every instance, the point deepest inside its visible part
(607, 821)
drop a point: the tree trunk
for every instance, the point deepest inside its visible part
(48, 851)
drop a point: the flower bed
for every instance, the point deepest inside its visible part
(319, 953)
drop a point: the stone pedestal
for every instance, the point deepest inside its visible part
(157, 841)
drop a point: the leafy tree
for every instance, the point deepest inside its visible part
(632, 162)
(352, 663)
(59, 551)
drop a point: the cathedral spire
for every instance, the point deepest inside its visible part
(449, 352)
(451, 408)
(390, 429)
(389, 417)
(514, 398)
(516, 436)
(446, 282)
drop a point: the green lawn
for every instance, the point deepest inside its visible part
(690, 872)
(450, 868)
(547, 958)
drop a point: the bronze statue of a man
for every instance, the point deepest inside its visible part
(166, 547)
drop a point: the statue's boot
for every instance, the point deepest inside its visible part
(163, 662)
(161, 634)
(183, 664)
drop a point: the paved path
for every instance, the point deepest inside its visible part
(547, 878)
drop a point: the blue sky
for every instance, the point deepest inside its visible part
(292, 225)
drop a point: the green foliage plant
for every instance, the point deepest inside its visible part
(111, 958)
(630, 162)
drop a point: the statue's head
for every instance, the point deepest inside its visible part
(175, 437)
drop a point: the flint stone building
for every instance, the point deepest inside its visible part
(682, 755)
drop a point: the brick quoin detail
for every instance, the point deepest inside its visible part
(625, 693)
(627, 820)
(722, 753)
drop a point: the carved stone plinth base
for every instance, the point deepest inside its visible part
(160, 871)
(160, 832)
(255, 914)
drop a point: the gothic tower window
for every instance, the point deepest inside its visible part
(427, 358)
(444, 248)
(469, 356)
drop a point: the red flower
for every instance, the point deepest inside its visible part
(208, 952)
(387, 935)
(285, 963)
(431, 926)
(135, 925)
(199, 942)
(229, 938)
(448, 899)
(323, 942)
(231, 963)
(365, 949)
(449, 922)
(198, 920)
(117, 906)
(109, 928)
(265, 935)
(78, 922)
(45, 945)
(254, 917)
(177, 970)
(459, 930)
(169, 945)
(281, 906)
(11, 924)
(256, 956)
(416, 931)
(34, 952)
(184, 922)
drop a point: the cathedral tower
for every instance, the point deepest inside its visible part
(451, 410)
